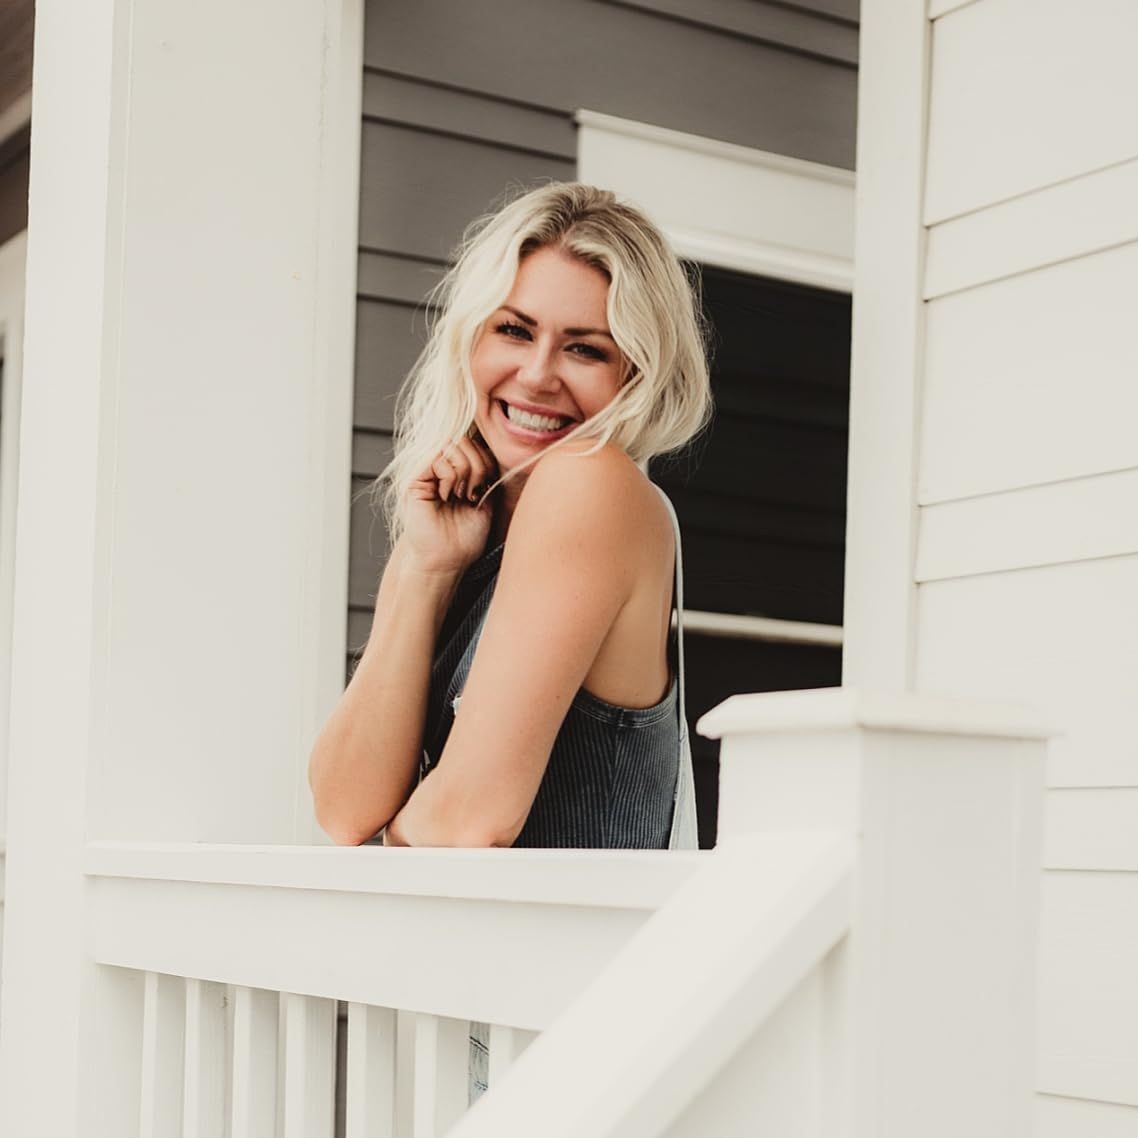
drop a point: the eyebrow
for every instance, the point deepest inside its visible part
(568, 331)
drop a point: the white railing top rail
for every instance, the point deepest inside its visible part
(500, 936)
(623, 879)
(682, 996)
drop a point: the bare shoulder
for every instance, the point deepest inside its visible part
(602, 493)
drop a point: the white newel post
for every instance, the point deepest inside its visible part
(945, 800)
(181, 544)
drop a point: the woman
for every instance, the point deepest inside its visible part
(515, 688)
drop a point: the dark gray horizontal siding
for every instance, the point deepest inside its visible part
(396, 277)
(450, 110)
(422, 189)
(773, 23)
(389, 337)
(566, 55)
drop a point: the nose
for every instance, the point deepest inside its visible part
(537, 372)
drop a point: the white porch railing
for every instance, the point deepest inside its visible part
(853, 959)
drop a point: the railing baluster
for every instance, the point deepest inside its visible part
(506, 1044)
(255, 1022)
(204, 1105)
(371, 1072)
(163, 1044)
(442, 1056)
(310, 1067)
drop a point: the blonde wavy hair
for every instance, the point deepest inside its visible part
(653, 312)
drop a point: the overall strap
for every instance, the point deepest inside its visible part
(679, 606)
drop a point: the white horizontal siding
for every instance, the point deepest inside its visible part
(1088, 986)
(1057, 1117)
(1092, 829)
(1026, 93)
(1063, 639)
(1058, 223)
(1032, 379)
(1041, 525)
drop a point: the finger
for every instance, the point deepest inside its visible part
(488, 465)
(477, 468)
(444, 473)
(460, 462)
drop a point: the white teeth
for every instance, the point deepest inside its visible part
(532, 421)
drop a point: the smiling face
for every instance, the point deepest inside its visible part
(546, 360)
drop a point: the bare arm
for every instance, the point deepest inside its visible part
(568, 570)
(365, 760)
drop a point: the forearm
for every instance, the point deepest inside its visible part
(364, 762)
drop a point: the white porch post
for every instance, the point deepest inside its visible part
(936, 986)
(181, 539)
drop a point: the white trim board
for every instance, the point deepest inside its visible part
(728, 205)
(12, 259)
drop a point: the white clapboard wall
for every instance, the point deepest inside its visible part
(1022, 526)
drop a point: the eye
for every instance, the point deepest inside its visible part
(513, 331)
(589, 351)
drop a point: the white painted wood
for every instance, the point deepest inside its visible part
(619, 879)
(1063, 639)
(1087, 214)
(938, 8)
(1047, 359)
(371, 1072)
(13, 255)
(927, 902)
(404, 1072)
(203, 1102)
(152, 267)
(310, 1066)
(391, 951)
(778, 904)
(256, 1015)
(731, 626)
(771, 1084)
(1088, 1001)
(1057, 1117)
(1041, 525)
(323, 616)
(1092, 829)
(506, 1044)
(163, 1056)
(885, 369)
(1027, 93)
(442, 1051)
(48, 990)
(820, 709)
(727, 205)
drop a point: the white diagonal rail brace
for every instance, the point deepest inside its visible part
(683, 997)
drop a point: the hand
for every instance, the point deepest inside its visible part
(447, 518)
